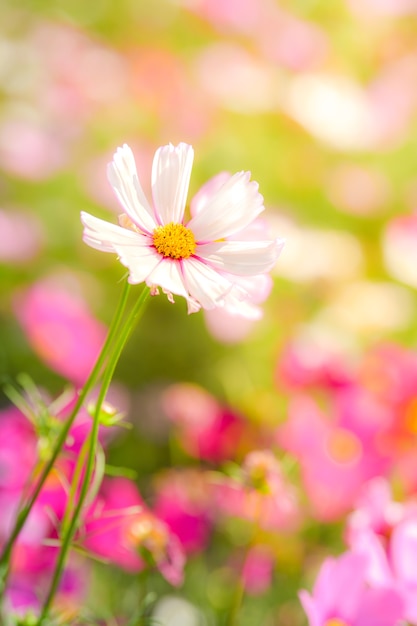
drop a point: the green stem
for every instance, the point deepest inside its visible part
(76, 478)
(25, 511)
(239, 593)
(237, 602)
(73, 525)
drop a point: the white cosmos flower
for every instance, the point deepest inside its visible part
(193, 260)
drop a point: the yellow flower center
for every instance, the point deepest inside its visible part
(174, 240)
(336, 622)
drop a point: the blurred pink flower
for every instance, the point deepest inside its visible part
(260, 495)
(388, 375)
(60, 329)
(304, 364)
(399, 244)
(224, 70)
(79, 77)
(376, 512)
(296, 44)
(392, 561)
(31, 150)
(119, 526)
(206, 429)
(160, 83)
(258, 570)
(183, 503)
(342, 597)
(235, 15)
(358, 190)
(21, 236)
(18, 450)
(335, 458)
(388, 8)
(403, 557)
(106, 531)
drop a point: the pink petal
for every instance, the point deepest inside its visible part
(380, 607)
(311, 609)
(404, 551)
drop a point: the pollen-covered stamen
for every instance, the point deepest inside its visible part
(174, 240)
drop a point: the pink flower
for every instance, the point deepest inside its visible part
(182, 502)
(342, 597)
(403, 558)
(258, 570)
(386, 532)
(336, 458)
(18, 450)
(31, 149)
(303, 363)
(376, 512)
(399, 247)
(207, 429)
(260, 495)
(119, 526)
(60, 329)
(21, 236)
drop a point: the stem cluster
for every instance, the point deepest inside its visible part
(103, 370)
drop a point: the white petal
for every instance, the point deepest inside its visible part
(242, 308)
(235, 205)
(243, 258)
(105, 236)
(171, 171)
(168, 275)
(206, 285)
(141, 261)
(123, 178)
(206, 192)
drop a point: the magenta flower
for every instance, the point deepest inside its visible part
(60, 329)
(386, 532)
(18, 450)
(376, 512)
(258, 570)
(119, 527)
(182, 502)
(206, 429)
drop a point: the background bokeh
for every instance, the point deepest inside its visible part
(318, 100)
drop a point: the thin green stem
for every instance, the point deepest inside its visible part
(239, 593)
(73, 524)
(25, 511)
(76, 478)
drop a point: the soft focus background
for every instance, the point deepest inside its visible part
(318, 100)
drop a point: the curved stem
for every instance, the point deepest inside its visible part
(73, 524)
(24, 512)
